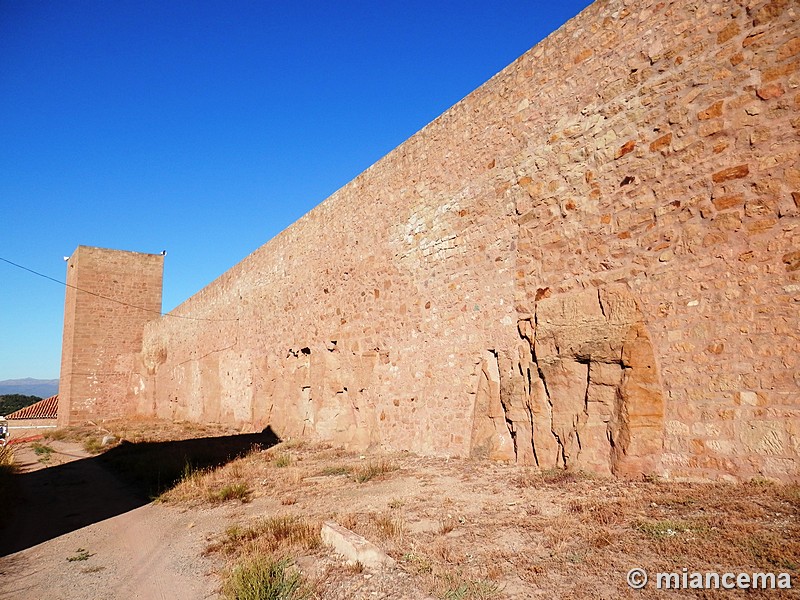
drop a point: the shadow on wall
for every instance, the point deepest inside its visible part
(57, 500)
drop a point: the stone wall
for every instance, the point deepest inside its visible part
(110, 296)
(663, 157)
(592, 261)
(24, 428)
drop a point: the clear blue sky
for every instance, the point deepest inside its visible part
(205, 128)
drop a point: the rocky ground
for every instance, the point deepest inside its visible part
(83, 528)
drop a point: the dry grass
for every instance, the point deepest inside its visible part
(44, 452)
(535, 478)
(212, 486)
(259, 577)
(7, 459)
(336, 471)
(388, 528)
(282, 535)
(91, 434)
(159, 455)
(372, 470)
(282, 459)
(260, 556)
(280, 471)
(473, 530)
(458, 585)
(506, 526)
(447, 524)
(8, 470)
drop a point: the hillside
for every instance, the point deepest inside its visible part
(44, 388)
(10, 403)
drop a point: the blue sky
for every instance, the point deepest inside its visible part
(205, 128)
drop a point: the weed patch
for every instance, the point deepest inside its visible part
(662, 529)
(262, 577)
(92, 445)
(44, 452)
(282, 460)
(285, 535)
(791, 494)
(548, 477)
(232, 491)
(457, 586)
(387, 527)
(418, 563)
(336, 470)
(446, 525)
(81, 554)
(371, 470)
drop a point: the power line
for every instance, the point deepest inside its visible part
(74, 287)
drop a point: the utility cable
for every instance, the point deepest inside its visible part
(65, 284)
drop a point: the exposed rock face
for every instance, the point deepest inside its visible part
(581, 392)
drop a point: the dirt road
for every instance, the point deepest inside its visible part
(80, 533)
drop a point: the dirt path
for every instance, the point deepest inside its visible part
(83, 534)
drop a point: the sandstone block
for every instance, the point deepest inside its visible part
(712, 112)
(788, 49)
(736, 172)
(726, 202)
(625, 149)
(710, 128)
(353, 547)
(661, 142)
(791, 260)
(729, 31)
(767, 92)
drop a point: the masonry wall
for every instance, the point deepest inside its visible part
(664, 156)
(591, 262)
(110, 296)
(29, 427)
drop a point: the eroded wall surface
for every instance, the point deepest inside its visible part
(590, 262)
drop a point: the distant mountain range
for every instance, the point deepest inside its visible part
(44, 388)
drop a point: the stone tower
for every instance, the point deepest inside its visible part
(110, 296)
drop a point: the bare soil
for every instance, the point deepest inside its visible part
(456, 528)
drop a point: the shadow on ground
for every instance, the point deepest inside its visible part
(53, 501)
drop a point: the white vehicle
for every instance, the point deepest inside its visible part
(3, 431)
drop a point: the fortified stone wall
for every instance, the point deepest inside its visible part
(663, 157)
(110, 296)
(592, 261)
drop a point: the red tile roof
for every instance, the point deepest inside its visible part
(43, 409)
